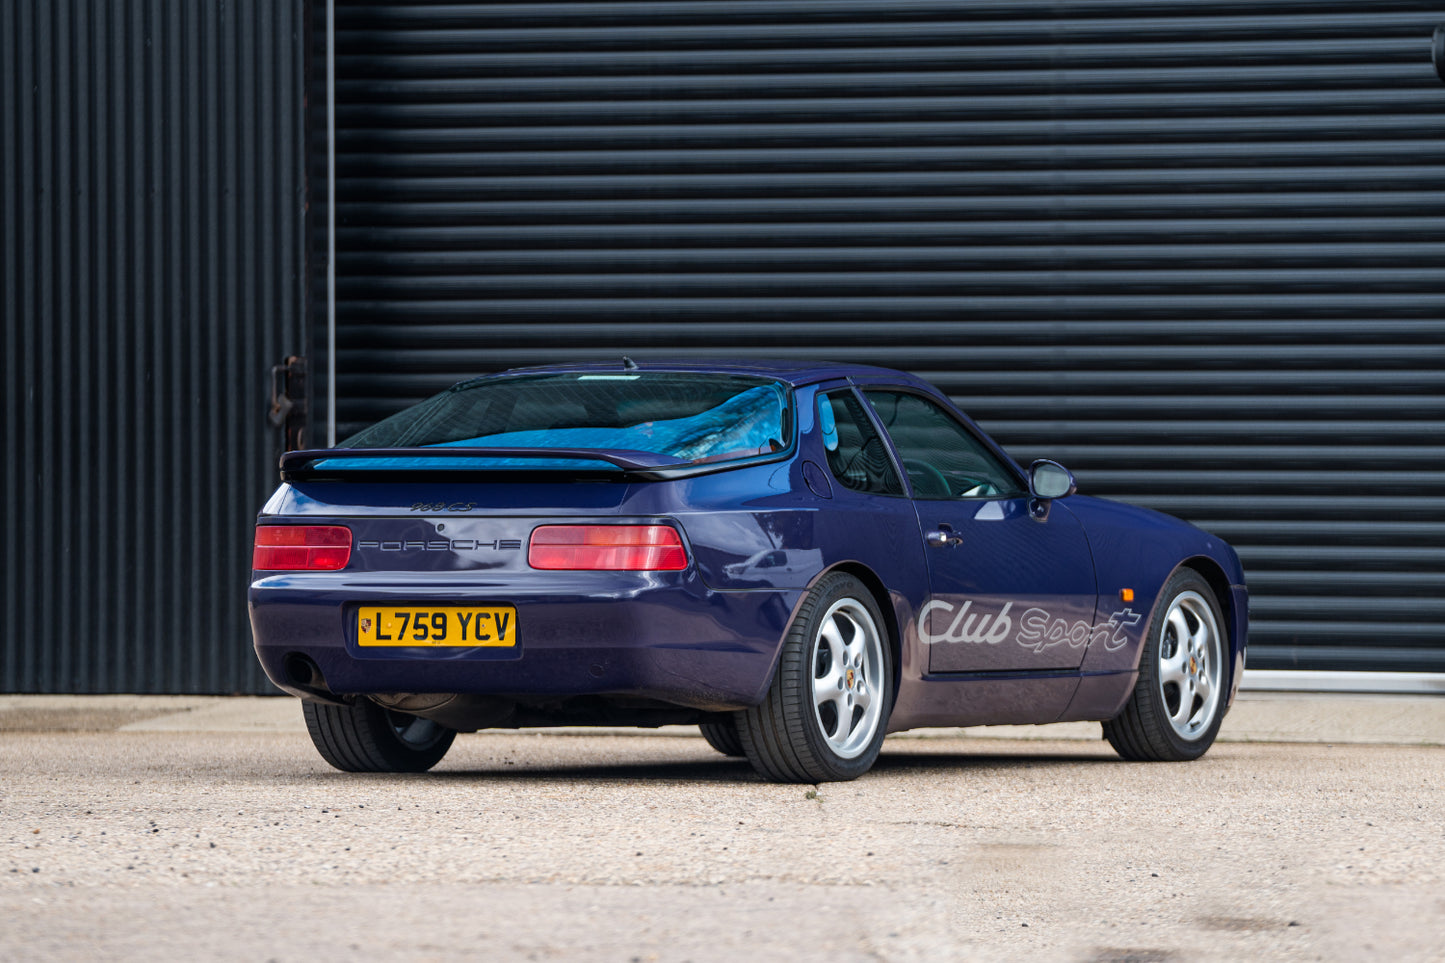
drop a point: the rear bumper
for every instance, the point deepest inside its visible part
(650, 636)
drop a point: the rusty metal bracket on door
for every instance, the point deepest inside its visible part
(288, 409)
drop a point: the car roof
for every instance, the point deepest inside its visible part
(793, 372)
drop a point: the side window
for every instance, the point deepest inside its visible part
(942, 458)
(856, 454)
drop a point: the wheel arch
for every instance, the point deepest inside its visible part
(1212, 573)
(884, 601)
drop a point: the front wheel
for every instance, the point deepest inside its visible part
(826, 713)
(364, 737)
(1178, 703)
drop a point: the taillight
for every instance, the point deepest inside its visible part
(301, 548)
(618, 548)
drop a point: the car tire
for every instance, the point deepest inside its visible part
(1177, 705)
(723, 736)
(826, 713)
(364, 737)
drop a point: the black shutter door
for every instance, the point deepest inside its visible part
(1192, 249)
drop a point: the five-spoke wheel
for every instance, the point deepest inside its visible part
(1189, 664)
(847, 657)
(1178, 703)
(827, 711)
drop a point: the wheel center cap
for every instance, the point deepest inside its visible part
(850, 678)
(1193, 664)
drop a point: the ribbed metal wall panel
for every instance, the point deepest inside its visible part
(1192, 248)
(154, 237)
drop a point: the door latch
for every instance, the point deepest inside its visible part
(944, 537)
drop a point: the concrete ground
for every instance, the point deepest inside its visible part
(132, 827)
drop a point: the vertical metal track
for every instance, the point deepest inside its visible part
(330, 224)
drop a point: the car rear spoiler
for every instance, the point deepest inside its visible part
(625, 464)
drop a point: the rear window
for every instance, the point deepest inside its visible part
(688, 418)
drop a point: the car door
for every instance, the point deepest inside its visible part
(1009, 590)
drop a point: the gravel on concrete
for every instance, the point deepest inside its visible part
(1401, 720)
(134, 840)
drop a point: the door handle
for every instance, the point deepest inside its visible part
(944, 538)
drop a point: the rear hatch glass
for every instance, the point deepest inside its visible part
(648, 418)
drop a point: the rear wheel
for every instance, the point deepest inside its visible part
(364, 737)
(1178, 702)
(826, 714)
(723, 736)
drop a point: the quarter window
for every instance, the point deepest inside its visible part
(942, 458)
(856, 454)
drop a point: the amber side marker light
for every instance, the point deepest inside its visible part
(613, 548)
(301, 548)
(1126, 595)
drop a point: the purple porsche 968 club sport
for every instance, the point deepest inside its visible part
(797, 558)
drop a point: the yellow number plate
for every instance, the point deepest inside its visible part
(451, 626)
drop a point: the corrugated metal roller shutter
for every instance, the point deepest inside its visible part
(1193, 249)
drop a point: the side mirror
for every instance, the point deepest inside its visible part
(1049, 480)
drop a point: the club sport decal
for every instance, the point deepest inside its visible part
(1036, 628)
